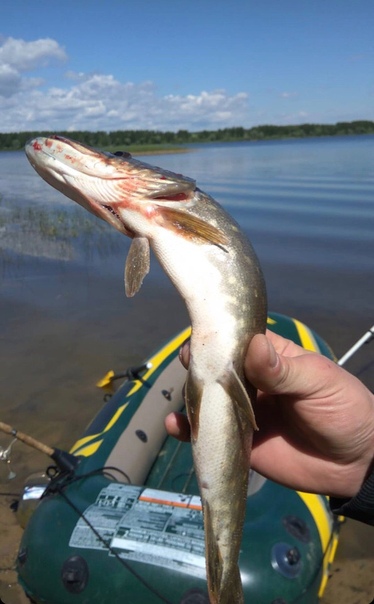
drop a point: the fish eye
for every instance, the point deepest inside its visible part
(122, 154)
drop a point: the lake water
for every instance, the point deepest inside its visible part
(307, 206)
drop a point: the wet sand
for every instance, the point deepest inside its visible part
(79, 325)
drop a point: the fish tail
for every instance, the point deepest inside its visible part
(223, 588)
(232, 590)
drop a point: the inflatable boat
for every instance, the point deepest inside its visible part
(121, 519)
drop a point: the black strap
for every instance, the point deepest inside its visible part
(360, 507)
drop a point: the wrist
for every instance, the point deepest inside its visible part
(360, 506)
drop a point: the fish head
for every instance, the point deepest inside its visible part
(103, 183)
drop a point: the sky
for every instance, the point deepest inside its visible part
(173, 64)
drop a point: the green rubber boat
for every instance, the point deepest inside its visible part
(122, 521)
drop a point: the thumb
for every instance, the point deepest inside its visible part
(275, 373)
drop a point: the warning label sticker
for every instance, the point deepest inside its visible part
(146, 525)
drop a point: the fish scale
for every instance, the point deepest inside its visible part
(216, 271)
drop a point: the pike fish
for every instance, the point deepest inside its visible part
(216, 271)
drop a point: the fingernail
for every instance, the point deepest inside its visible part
(273, 356)
(184, 352)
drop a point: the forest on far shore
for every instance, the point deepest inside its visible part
(13, 141)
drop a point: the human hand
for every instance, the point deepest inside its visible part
(316, 420)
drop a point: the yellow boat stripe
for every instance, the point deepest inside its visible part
(327, 562)
(119, 412)
(306, 337)
(86, 439)
(320, 515)
(155, 361)
(317, 508)
(81, 442)
(90, 449)
(160, 356)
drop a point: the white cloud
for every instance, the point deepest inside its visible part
(101, 102)
(10, 80)
(18, 57)
(25, 56)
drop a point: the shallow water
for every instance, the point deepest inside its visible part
(308, 208)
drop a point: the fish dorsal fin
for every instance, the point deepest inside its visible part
(137, 265)
(237, 392)
(191, 227)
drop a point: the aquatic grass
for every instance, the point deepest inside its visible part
(60, 224)
(56, 233)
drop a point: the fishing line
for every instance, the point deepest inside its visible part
(59, 489)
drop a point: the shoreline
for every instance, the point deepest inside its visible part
(135, 150)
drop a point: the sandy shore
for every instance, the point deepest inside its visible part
(11, 532)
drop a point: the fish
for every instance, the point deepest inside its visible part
(216, 271)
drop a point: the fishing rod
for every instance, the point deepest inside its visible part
(365, 339)
(64, 460)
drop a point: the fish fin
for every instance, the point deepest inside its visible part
(234, 387)
(214, 558)
(137, 265)
(193, 394)
(192, 227)
(233, 590)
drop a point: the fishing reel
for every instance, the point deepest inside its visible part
(5, 457)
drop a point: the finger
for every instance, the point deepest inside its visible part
(184, 354)
(284, 346)
(177, 425)
(276, 373)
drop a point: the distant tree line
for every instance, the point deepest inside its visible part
(128, 138)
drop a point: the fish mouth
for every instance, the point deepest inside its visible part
(112, 213)
(101, 182)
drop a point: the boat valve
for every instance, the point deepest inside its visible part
(167, 393)
(286, 560)
(74, 574)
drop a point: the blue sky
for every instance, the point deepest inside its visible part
(171, 64)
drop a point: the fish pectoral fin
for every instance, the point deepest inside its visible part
(192, 227)
(137, 265)
(193, 393)
(234, 387)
